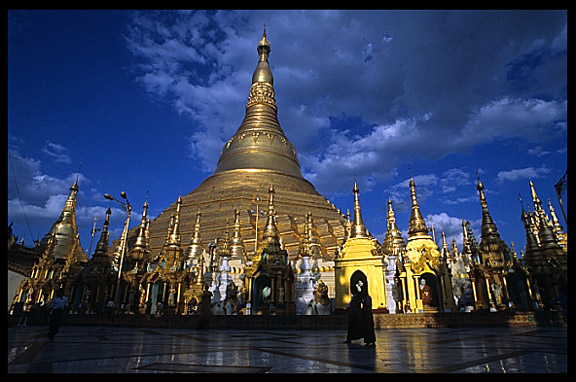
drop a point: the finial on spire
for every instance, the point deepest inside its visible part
(480, 187)
(262, 74)
(75, 185)
(264, 42)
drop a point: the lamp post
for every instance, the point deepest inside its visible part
(128, 208)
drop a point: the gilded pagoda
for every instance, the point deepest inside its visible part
(255, 238)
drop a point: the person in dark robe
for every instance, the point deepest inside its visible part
(58, 308)
(360, 319)
(426, 293)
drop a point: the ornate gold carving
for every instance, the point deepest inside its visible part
(261, 93)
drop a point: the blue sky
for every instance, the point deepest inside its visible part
(145, 100)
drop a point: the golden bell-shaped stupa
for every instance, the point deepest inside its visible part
(257, 156)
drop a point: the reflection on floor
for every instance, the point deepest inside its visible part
(79, 349)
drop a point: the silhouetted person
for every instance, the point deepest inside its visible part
(360, 319)
(58, 307)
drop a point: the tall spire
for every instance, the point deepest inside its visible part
(196, 247)
(488, 227)
(358, 227)
(259, 144)
(416, 224)
(313, 246)
(304, 250)
(104, 242)
(174, 233)
(271, 236)
(445, 250)
(555, 222)
(237, 244)
(141, 247)
(531, 243)
(393, 240)
(348, 226)
(65, 230)
(172, 251)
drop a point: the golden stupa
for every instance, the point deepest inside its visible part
(256, 157)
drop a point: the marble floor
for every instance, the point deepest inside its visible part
(79, 349)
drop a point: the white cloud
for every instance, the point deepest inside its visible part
(522, 173)
(505, 118)
(451, 226)
(57, 152)
(39, 198)
(34, 186)
(538, 151)
(423, 84)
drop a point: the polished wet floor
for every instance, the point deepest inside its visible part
(78, 349)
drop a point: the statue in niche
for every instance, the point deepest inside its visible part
(425, 293)
(322, 303)
(172, 298)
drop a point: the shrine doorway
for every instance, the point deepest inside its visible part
(77, 293)
(261, 293)
(156, 296)
(517, 291)
(432, 282)
(358, 276)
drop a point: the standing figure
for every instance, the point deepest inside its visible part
(360, 319)
(425, 293)
(58, 307)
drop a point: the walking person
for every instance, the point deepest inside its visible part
(360, 319)
(58, 307)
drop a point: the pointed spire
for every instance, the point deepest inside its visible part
(393, 240)
(263, 74)
(141, 247)
(170, 229)
(304, 250)
(237, 249)
(70, 205)
(547, 236)
(358, 227)
(555, 222)
(535, 199)
(104, 242)
(348, 225)
(224, 250)
(445, 251)
(65, 230)
(488, 227)
(196, 246)
(313, 246)
(416, 224)
(539, 212)
(531, 243)
(454, 254)
(469, 245)
(271, 236)
(173, 238)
